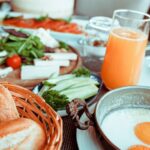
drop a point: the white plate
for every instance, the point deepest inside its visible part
(87, 139)
(145, 74)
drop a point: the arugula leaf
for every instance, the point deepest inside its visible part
(14, 38)
(28, 48)
(63, 45)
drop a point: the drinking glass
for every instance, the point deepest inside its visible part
(125, 48)
(94, 41)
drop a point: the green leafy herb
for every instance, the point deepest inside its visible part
(66, 19)
(28, 48)
(63, 45)
(82, 72)
(69, 19)
(8, 16)
(41, 18)
(49, 84)
(55, 99)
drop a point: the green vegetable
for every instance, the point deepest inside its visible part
(81, 92)
(85, 83)
(70, 87)
(63, 45)
(64, 84)
(43, 89)
(28, 48)
(50, 85)
(68, 20)
(8, 16)
(82, 72)
(41, 18)
(55, 99)
(60, 78)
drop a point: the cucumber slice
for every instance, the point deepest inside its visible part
(60, 78)
(68, 83)
(81, 92)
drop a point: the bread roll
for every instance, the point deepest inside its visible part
(22, 134)
(8, 110)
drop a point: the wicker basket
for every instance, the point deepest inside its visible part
(32, 106)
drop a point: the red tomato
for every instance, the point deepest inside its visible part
(14, 61)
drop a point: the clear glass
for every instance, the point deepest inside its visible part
(125, 48)
(94, 41)
(96, 30)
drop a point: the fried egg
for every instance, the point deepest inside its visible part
(127, 127)
(139, 147)
(142, 131)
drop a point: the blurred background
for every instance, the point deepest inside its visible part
(65, 8)
(106, 7)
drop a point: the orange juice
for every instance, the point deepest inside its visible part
(123, 59)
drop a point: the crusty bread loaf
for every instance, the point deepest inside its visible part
(8, 110)
(22, 134)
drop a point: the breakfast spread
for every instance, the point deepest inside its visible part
(32, 56)
(15, 132)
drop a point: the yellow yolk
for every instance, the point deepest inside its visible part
(142, 131)
(138, 147)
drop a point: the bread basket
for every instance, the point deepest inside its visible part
(32, 106)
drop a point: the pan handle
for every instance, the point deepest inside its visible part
(73, 112)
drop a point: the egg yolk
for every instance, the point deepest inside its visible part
(142, 131)
(138, 147)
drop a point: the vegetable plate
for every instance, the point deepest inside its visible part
(57, 91)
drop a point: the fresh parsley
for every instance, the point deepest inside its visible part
(82, 72)
(55, 99)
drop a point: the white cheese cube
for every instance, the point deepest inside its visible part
(4, 72)
(37, 72)
(62, 56)
(63, 63)
(46, 38)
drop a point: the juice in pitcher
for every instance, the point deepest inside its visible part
(123, 59)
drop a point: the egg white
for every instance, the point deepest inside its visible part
(119, 126)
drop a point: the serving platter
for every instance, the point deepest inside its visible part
(89, 101)
(14, 76)
(80, 24)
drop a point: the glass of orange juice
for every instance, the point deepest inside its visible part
(125, 48)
